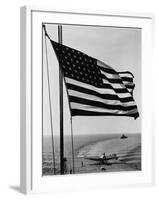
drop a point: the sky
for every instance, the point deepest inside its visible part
(118, 47)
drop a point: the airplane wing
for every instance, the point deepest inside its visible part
(93, 158)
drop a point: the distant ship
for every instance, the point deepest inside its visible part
(123, 136)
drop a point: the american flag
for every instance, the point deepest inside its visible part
(93, 87)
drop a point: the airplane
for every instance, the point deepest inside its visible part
(103, 159)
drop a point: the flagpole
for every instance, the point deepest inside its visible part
(61, 106)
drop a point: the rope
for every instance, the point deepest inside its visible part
(73, 162)
(49, 91)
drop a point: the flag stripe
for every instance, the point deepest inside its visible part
(78, 112)
(115, 85)
(108, 70)
(100, 104)
(127, 73)
(76, 93)
(101, 95)
(98, 109)
(112, 80)
(127, 79)
(117, 90)
(102, 90)
(107, 91)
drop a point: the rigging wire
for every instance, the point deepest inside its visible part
(73, 162)
(49, 91)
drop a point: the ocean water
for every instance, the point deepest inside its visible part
(129, 151)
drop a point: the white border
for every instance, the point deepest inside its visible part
(31, 144)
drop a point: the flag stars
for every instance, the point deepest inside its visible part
(91, 82)
(72, 75)
(79, 66)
